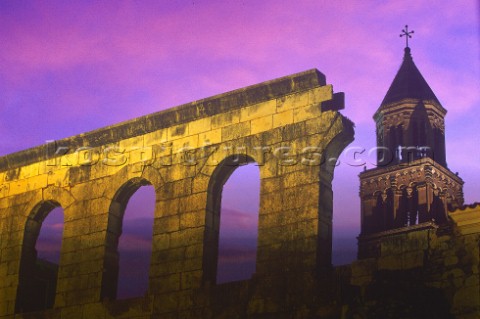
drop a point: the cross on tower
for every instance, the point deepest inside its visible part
(406, 33)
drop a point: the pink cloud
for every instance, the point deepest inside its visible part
(132, 242)
(234, 257)
(49, 245)
(238, 223)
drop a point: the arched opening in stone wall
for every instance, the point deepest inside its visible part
(49, 242)
(129, 241)
(40, 258)
(232, 221)
(379, 213)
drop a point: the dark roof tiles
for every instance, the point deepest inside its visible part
(409, 83)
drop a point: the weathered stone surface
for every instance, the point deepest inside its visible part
(185, 153)
(422, 272)
(291, 128)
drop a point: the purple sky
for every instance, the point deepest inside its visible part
(69, 68)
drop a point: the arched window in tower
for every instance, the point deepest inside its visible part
(389, 210)
(438, 207)
(415, 140)
(129, 241)
(422, 139)
(438, 153)
(232, 224)
(399, 138)
(40, 258)
(412, 212)
(378, 213)
(403, 209)
(400, 134)
(393, 141)
(436, 142)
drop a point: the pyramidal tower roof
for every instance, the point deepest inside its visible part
(409, 83)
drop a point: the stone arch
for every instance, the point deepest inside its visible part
(114, 230)
(390, 208)
(213, 206)
(378, 213)
(412, 212)
(332, 150)
(438, 208)
(37, 283)
(402, 206)
(131, 172)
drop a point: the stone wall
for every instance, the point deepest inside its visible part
(290, 127)
(422, 271)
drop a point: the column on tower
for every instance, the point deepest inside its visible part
(367, 205)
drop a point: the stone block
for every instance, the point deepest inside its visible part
(155, 138)
(17, 187)
(194, 251)
(210, 137)
(177, 131)
(199, 126)
(163, 256)
(293, 101)
(262, 124)
(257, 111)
(225, 119)
(192, 220)
(168, 224)
(283, 118)
(161, 241)
(319, 124)
(29, 171)
(177, 172)
(176, 189)
(186, 237)
(191, 279)
(139, 155)
(192, 264)
(166, 268)
(131, 143)
(305, 113)
(185, 144)
(167, 283)
(235, 131)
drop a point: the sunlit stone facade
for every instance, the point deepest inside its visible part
(289, 127)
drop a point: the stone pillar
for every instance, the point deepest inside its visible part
(443, 198)
(412, 209)
(294, 233)
(324, 252)
(439, 206)
(425, 195)
(382, 221)
(367, 221)
(398, 210)
(11, 241)
(82, 254)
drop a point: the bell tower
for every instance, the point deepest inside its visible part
(411, 185)
(410, 119)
